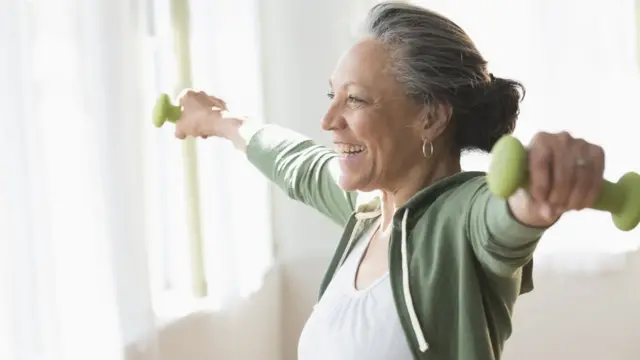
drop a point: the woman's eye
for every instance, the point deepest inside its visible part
(354, 99)
(350, 99)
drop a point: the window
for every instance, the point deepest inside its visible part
(168, 240)
(234, 248)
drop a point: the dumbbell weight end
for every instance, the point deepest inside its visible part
(164, 111)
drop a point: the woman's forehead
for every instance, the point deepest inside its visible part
(366, 64)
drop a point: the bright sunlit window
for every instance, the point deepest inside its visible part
(230, 189)
(167, 232)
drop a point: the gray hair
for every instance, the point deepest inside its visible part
(438, 63)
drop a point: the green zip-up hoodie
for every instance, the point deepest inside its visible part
(457, 258)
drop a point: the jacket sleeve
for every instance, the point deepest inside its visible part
(305, 171)
(501, 243)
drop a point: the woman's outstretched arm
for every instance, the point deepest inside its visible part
(306, 171)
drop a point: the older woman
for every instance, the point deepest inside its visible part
(430, 263)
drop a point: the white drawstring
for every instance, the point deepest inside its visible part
(413, 317)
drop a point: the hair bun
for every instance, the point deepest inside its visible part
(497, 109)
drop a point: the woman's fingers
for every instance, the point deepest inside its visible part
(199, 111)
(588, 165)
(541, 157)
(565, 173)
(217, 102)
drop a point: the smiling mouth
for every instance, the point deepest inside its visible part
(349, 149)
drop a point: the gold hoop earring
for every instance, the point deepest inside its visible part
(427, 149)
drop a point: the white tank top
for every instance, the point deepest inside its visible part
(350, 324)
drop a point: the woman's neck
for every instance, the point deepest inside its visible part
(413, 181)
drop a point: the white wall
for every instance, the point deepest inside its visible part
(579, 317)
(565, 318)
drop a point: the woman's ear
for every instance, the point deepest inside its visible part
(435, 119)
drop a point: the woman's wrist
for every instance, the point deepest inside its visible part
(237, 130)
(524, 210)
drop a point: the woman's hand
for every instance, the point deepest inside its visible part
(565, 174)
(202, 116)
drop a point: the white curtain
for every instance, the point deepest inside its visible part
(93, 256)
(69, 182)
(577, 60)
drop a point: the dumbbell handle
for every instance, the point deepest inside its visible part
(509, 171)
(611, 197)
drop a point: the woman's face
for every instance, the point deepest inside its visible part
(376, 127)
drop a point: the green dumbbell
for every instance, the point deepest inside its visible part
(165, 111)
(509, 171)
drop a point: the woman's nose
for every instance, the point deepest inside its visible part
(333, 120)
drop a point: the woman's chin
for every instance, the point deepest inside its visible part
(354, 170)
(355, 182)
(347, 183)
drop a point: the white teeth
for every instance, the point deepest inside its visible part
(349, 149)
